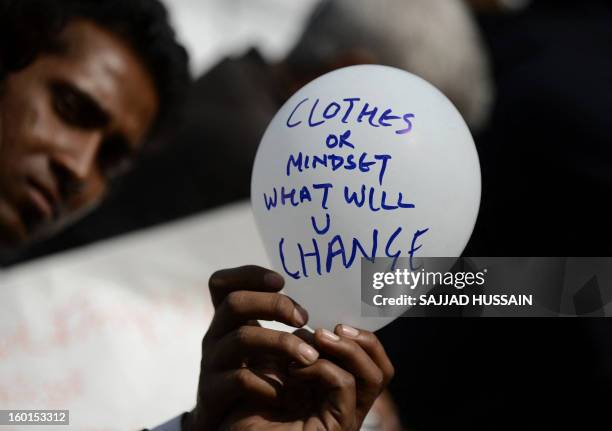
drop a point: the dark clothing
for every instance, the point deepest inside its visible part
(547, 176)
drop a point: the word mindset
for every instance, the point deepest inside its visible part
(334, 162)
(350, 107)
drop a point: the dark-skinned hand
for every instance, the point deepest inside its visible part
(253, 378)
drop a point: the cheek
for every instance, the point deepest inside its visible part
(10, 154)
(23, 115)
(22, 118)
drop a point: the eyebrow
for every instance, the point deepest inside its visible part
(92, 115)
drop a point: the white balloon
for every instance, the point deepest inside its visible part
(423, 155)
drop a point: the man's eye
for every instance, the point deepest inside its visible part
(76, 108)
(67, 106)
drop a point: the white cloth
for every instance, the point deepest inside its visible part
(273, 26)
(113, 332)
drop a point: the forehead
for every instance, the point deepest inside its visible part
(104, 67)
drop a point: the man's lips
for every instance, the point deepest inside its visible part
(41, 200)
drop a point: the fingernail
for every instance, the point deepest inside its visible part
(300, 315)
(349, 331)
(274, 280)
(308, 353)
(330, 335)
(274, 376)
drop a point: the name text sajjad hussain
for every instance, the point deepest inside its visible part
(459, 280)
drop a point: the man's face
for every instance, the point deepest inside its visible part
(68, 122)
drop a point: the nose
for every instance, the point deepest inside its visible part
(78, 156)
(74, 166)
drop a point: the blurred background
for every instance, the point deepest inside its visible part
(532, 80)
(214, 29)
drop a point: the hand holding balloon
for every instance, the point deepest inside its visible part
(253, 378)
(364, 162)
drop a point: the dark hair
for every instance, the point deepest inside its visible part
(29, 27)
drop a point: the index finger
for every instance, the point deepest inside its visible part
(249, 277)
(240, 307)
